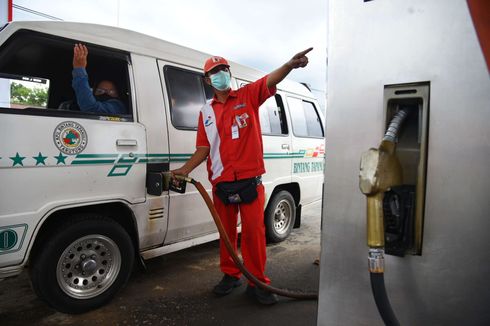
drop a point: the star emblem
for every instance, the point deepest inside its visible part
(40, 159)
(17, 159)
(60, 158)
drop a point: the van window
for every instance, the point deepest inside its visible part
(21, 92)
(272, 117)
(305, 119)
(271, 114)
(187, 94)
(36, 76)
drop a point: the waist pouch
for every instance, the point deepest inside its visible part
(236, 192)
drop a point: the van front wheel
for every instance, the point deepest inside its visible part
(83, 264)
(279, 216)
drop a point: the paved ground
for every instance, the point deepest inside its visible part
(176, 290)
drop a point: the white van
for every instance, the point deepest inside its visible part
(80, 194)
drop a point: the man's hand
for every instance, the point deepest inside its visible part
(80, 53)
(300, 60)
(180, 171)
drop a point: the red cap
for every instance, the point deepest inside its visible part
(214, 62)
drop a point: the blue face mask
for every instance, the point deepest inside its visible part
(221, 80)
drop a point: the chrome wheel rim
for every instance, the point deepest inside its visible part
(88, 266)
(282, 217)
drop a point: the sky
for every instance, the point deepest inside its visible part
(262, 34)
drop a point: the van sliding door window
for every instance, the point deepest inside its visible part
(305, 118)
(187, 94)
(272, 118)
(36, 77)
(271, 115)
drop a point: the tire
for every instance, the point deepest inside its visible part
(279, 216)
(83, 264)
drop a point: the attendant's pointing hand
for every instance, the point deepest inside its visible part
(300, 60)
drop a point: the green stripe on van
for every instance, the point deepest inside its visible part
(81, 162)
(81, 156)
(284, 155)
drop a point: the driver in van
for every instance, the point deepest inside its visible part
(229, 136)
(105, 97)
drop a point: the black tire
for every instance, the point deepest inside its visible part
(81, 265)
(279, 216)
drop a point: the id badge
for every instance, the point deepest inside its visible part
(235, 134)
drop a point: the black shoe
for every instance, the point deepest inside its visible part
(262, 296)
(226, 285)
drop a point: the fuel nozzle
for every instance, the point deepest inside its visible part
(178, 183)
(380, 170)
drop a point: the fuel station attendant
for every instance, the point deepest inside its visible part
(229, 136)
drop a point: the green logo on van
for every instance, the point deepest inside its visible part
(8, 239)
(11, 238)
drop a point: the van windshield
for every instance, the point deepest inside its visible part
(21, 92)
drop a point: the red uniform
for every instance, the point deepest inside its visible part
(232, 132)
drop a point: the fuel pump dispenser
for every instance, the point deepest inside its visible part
(403, 205)
(392, 177)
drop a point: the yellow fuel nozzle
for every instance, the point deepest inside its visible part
(379, 171)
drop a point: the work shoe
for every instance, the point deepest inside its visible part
(262, 296)
(226, 285)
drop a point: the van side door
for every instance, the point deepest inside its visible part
(185, 93)
(308, 146)
(277, 143)
(153, 222)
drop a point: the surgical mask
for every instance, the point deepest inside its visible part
(103, 97)
(221, 80)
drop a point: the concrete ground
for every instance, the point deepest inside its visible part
(176, 290)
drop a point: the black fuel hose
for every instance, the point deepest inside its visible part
(233, 254)
(381, 299)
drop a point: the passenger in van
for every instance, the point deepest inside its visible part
(104, 98)
(229, 137)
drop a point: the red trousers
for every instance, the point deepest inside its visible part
(252, 239)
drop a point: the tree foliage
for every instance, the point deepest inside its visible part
(20, 94)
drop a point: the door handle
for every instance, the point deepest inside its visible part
(285, 146)
(126, 142)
